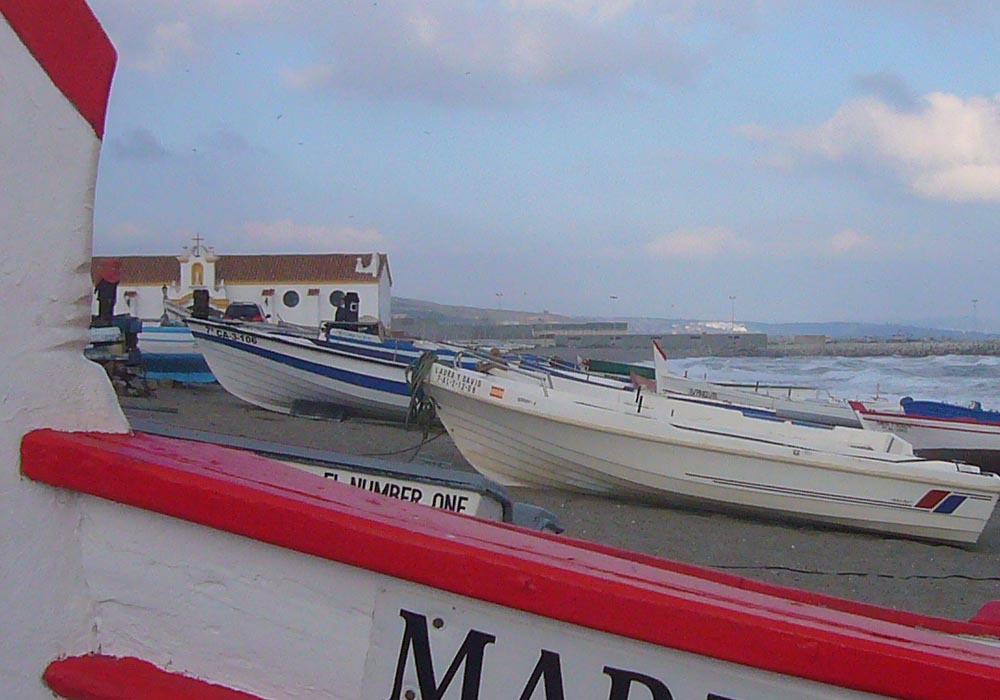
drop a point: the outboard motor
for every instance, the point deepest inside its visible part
(200, 309)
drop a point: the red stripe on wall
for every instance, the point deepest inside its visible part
(70, 45)
(591, 586)
(98, 677)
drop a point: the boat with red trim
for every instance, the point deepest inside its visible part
(939, 430)
(150, 567)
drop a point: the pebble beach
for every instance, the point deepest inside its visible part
(932, 579)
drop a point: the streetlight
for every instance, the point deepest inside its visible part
(974, 324)
(732, 313)
(613, 298)
(499, 300)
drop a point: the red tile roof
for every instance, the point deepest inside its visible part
(251, 269)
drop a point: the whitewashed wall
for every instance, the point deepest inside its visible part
(48, 161)
(375, 300)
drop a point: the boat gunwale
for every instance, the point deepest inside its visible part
(808, 636)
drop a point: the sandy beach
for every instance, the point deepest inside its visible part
(941, 580)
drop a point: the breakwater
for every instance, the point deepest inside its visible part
(927, 347)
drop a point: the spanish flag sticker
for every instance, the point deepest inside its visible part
(496, 392)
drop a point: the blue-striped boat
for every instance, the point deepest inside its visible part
(338, 371)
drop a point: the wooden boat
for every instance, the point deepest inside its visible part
(793, 403)
(451, 490)
(597, 440)
(168, 352)
(149, 567)
(290, 372)
(939, 430)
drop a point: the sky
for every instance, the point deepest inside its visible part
(771, 161)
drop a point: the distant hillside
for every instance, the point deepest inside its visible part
(445, 314)
(403, 307)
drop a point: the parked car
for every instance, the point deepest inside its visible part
(243, 311)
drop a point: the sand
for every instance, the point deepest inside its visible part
(933, 579)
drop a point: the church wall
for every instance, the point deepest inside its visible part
(146, 301)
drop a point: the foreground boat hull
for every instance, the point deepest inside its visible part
(143, 567)
(507, 432)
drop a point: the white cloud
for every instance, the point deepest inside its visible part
(502, 51)
(166, 43)
(311, 77)
(447, 51)
(290, 237)
(124, 238)
(947, 148)
(694, 243)
(587, 10)
(153, 36)
(849, 240)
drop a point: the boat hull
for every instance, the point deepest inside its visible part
(514, 433)
(286, 374)
(939, 438)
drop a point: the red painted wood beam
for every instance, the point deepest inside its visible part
(71, 47)
(595, 587)
(99, 677)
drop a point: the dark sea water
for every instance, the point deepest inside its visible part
(952, 378)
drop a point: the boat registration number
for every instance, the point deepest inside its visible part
(451, 379)
(234, 335)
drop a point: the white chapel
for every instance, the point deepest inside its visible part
(303, 289)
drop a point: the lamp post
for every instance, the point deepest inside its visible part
(613, 298)
(499, 300)
(732, 313)
(974, 320)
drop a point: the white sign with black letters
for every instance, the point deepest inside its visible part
(454, 500)
(427, 645)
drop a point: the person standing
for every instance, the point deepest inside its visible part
(108, 277)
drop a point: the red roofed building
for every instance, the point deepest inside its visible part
(304, 289)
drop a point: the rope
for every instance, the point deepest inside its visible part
(414, 448)
(421, 409)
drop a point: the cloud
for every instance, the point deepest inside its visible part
(450, 51)
(126, 237)
(705, 242)
(289, 237)
(889, 87)
(139, 145)
(499, 52)
(165, 44)
(848, 241)
(153, 36)
(947, 148)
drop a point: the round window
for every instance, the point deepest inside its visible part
(336, 298)
(290, 298)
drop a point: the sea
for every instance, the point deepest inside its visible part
(958, 379)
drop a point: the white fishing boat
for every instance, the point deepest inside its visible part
(166, 339)
(293, 373)
(137, 566)
(971, 436)
(794, 403)
(619, 444)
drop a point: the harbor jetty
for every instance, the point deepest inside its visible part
(879, 347)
